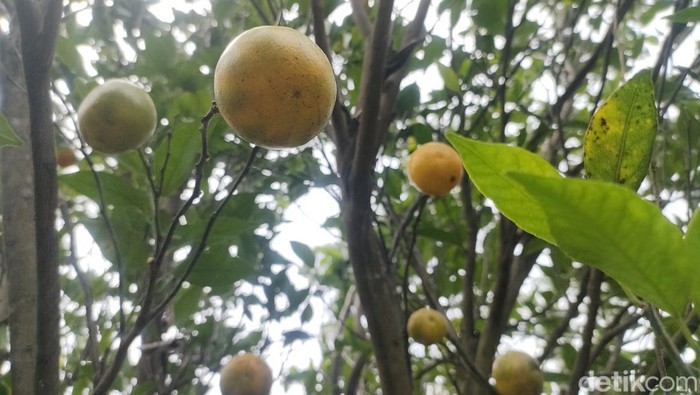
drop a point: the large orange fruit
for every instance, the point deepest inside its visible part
(116, 117)
(435, 168)
(274, 87)
(517, 373)
(246, 374)
(427, 326)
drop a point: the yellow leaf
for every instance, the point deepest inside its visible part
(620, 138)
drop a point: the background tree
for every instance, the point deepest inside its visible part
(163, 276)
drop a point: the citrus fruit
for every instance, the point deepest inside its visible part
(517, 373)
(116, 117)
(274, 87)
(427, 326)
(435, 168)
(246, 374)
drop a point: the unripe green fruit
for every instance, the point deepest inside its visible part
(116, 117)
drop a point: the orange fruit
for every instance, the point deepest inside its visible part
(517, 373)
(246, 374)
(116, 117)
(435, 168)
(427, 326)
(65, 157)
(274, 87)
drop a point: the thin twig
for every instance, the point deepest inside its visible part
(207, 230)
(398, 236)
(103, 383)
(571, 312)
(104, 212)
(666, 342)
(92, 348)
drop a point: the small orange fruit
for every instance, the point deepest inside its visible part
(116, 117)
(427, 326)
(246, 374)
(65, 157)
(517, 373)
(435, 168)
(274, 87)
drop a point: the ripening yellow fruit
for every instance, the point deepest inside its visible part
(274, 87)
(427, 326)
(435, 168)
(116, 117)
(517, 373)
(246, 374)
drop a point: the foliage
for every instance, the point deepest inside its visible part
(513, 85)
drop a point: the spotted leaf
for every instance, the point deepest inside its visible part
(620, 138)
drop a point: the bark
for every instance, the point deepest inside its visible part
(359, 140)
(38, 23)
(17, 214)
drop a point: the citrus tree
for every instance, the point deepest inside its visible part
(569, 246)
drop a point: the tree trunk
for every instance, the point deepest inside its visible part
(17, 217)
(38, 24)
(377, 291)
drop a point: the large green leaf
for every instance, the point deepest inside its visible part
(488, 165)
(620, 138)
(692, 240)
(8, 137)
(116, 191)
(130, 231)
(609, 227)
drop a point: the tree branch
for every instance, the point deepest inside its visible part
(371, 88)
(498, 314)
(361, 17)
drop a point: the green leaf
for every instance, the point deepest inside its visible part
(609, 227)
(304, 253)
(130, 231)
(692, 235)
(449, 77)
(620, 138)
(490, 15)
(178, 156)
(692, 241)
(293, 335)
(307, 314)
(187, 304)
(687, 15)
(67, 53)
(117, 191)
(408, 100)
(8, 137)
(488, 165)
(217, 268)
